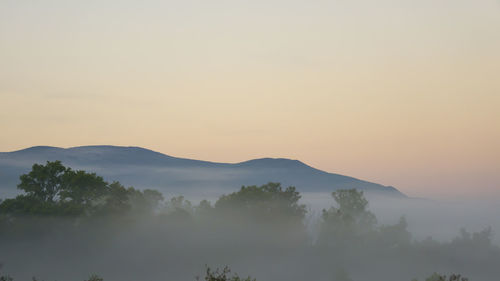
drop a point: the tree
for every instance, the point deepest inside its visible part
(223, 275)
(204, 208)
(265, 202)
(179, 208)
(117, 199)
(396, 235)
(44, 182)
(146, 201)
(95, 277)
(30, 205)
(352, 206)
(83, 188)
(439, 277)
(5, 277)
(53, 189)
(349, 221)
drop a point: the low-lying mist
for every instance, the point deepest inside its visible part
(438, 218)
(70, 224)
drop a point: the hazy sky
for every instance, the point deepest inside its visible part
(404, 93)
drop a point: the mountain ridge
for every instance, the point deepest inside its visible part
(145, 168)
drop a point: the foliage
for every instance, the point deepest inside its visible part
(439, 277)
(146, 201)
(44, 182)
(55, 190)
(349, 221)
(5, 277)
(268, 201)
(396, 235)
(179, 208)
(204, 208)
(477, 239)
(82, 188)
(223, 275)
(95, 277)
(351, 210)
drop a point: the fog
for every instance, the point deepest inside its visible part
(177, 239)
(441, 219)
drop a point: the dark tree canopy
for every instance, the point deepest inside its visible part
(265, 201)
(223, 275)
(44, 182)
(82, 187)
(53, 189)
(351, 209)
(350, 220)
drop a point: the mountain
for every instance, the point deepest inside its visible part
(143, 168)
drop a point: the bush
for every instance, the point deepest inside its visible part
(223, 275)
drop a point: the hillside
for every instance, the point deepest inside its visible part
(143, 168)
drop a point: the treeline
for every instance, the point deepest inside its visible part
(55, 190)
(74, 220)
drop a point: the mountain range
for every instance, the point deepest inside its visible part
(143, 168)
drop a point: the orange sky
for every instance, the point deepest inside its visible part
(404, 93)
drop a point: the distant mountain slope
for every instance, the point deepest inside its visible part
(143, 168)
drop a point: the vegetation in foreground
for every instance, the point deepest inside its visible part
(224, 274)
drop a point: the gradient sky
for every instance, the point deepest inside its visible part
(403, 93)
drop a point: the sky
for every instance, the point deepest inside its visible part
(402, 93)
